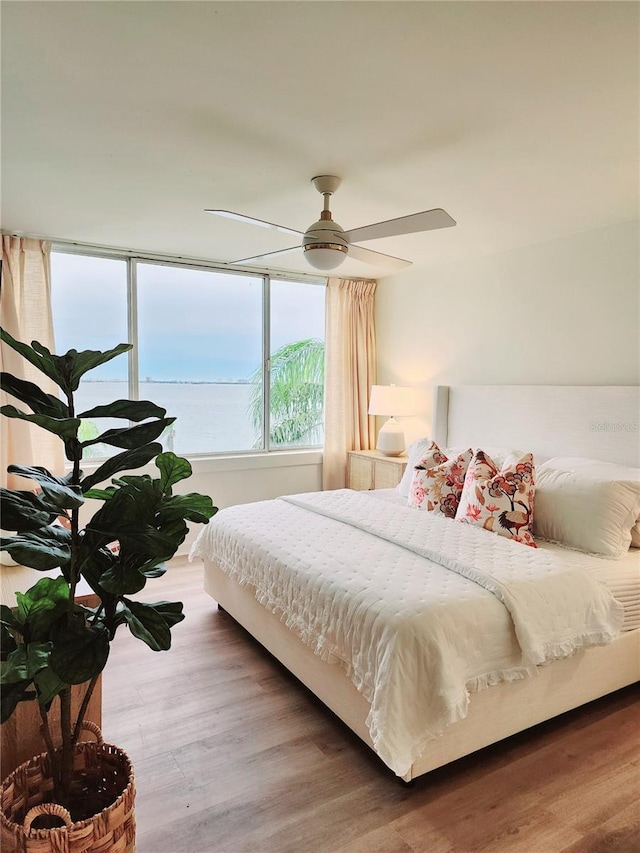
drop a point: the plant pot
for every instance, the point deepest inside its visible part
(26, 794)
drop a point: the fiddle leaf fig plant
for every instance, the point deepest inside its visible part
(49, 642)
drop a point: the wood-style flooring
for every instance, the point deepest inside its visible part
(233, 755)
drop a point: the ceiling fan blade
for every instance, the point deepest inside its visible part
(250, 219)
(367, 256)
(266, 255)
(425, 221)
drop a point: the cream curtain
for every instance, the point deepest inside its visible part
(25, 312)
(350, 371)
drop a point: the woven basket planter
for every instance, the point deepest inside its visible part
(26, 793)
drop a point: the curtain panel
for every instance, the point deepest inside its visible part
(350, 371)
(25, 312)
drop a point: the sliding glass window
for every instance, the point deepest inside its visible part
(89, 306)
(297, 364)
(211, 346)
(199, 345)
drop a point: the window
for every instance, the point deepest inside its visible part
(296, 364)
(199, 342)
(89, 306)
(211, 346)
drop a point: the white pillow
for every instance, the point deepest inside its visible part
(585, 512)
(415, 453)
(602, 471)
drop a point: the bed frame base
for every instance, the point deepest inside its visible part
(494, 714)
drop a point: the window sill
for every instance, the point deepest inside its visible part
(236, 462)
(248, 461)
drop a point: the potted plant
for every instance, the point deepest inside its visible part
(49, 641)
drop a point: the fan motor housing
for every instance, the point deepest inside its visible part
(324, 246)
(325, 234)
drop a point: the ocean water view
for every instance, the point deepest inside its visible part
(212, 417)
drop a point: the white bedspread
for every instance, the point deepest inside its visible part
(418, 609)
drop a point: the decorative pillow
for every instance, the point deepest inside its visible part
(500, 455)
(499, 500)
(437, 481)
(600, 470)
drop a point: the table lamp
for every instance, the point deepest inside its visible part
(392, 400)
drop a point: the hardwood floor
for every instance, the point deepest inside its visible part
(233, 755)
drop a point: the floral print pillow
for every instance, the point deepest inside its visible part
(437, 481)
(500, 501)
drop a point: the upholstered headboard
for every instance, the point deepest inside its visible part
(597, 421)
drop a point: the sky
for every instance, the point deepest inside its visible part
(194, 325)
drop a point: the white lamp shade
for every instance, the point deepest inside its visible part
(393, 400)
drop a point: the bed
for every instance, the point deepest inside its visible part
(350, 541)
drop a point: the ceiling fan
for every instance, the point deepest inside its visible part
(326, 244)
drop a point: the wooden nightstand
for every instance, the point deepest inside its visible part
(370, 469)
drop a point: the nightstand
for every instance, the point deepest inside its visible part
(370, 469)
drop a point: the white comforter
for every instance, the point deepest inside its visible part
(419, 610)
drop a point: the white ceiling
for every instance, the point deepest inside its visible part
(122, 121)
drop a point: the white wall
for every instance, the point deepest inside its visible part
(561, 312)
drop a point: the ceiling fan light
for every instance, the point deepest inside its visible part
(326, 257)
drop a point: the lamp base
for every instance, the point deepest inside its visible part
(391, 439)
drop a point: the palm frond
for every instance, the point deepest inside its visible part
(296, 394)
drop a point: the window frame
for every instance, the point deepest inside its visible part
(132, 260)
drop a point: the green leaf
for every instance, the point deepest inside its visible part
(56, 490)
(86, 360)
(296, 397)
(176, 530)
(8, 643)
(64, 497)
(127, 461)
(131, 506)
(79, 653)
(29, 393)
(8, 619)
(73, 448)
(153, 570)
(131, 437)
(23, 663)
(42, 605)
(122, 580)
(37, 657)
(12, 694)
(171, 611)
(15, 669)
(100, 494)
(38, 550)
(172, 469)
(151, 623)
(93, 562)
(39, 474)
(192, 506)
(142, 538)
(132, 410)
(48, 686)
(39, 356)
(22, 510)
(64, 427)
